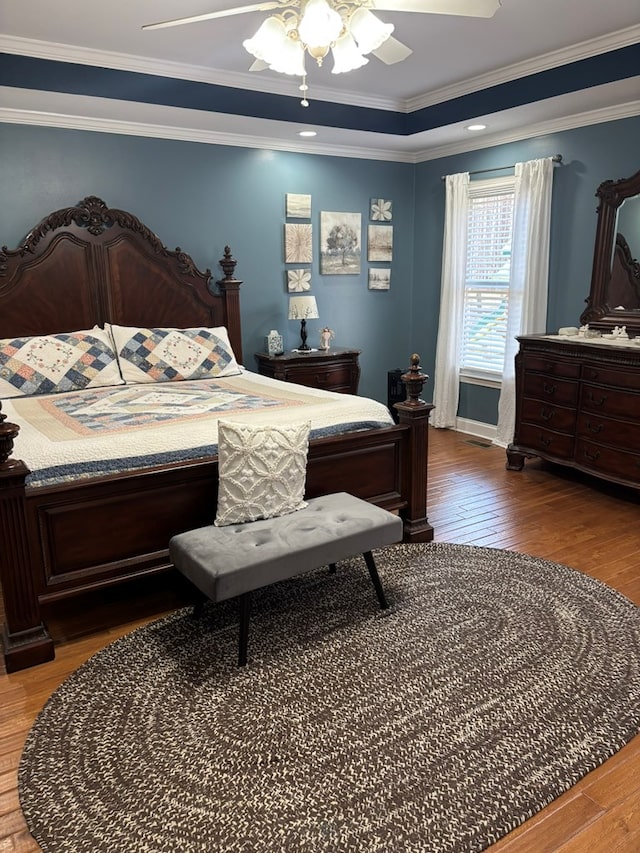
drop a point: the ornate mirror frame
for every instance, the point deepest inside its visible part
(599, 314)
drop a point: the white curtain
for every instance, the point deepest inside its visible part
(529, 276)
(446, 383)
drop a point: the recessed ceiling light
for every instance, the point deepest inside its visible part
(476, 127)
(307, 133)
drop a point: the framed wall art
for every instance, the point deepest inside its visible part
(297, 206)
(340, 243)
(380, 209)
(380, 243)
(379, 279)
(298, 246)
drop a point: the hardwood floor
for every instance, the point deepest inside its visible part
(544, 511)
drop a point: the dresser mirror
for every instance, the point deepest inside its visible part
(614, 299)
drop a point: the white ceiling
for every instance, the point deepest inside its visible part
(452, 56)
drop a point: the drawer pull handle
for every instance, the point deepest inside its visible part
(593, 457)
(595, 428)
(593, 374)
(545, 441)
(549, 389)
(595, 402)
(546, 415)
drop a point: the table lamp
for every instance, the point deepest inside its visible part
(303, 308)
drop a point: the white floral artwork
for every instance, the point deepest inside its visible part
(298, 244)
(380, 243)
(381, 209)
(298, 206)
(298, 280)
(379, 279)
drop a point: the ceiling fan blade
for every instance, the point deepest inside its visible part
(468, 8)
(222, 13)
(392, 51)
(259, 65)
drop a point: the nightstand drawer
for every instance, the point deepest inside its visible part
(322, 377)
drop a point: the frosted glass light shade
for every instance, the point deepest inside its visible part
(368, 31)
(268, 41)
(303, 308)
(320, 25)
(346, 56)
(290, 58)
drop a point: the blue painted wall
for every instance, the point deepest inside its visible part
(590, 155)
(201, 197)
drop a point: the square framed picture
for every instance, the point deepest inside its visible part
(298, 206)
(298, 280)
(380, 209)
(340, 243)
(298, 245)
(379, 279)
(380, 243)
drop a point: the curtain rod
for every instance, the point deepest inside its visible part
(557, 158)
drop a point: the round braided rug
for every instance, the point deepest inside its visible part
(493, 683)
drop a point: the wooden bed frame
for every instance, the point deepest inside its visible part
(87, 265)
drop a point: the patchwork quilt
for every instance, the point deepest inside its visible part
(80, 434)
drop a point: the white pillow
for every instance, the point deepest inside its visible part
(50, 364)
(166, 355)
(262, 470)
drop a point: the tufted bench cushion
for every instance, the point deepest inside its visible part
(224, 562)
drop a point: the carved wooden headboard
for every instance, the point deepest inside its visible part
(90, 264)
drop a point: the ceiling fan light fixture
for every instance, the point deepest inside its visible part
(320, 25)
(346, 56)
(368, 31)
(268, 40)
(290, 59)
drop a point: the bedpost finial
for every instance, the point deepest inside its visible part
(8, 432)
(414, 382)
(228, 264)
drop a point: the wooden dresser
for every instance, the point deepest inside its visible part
(578, 403)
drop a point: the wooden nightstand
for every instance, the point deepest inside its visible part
(335, 369)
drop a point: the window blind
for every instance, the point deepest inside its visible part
(487, 273)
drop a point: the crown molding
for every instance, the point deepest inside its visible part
(574, 53)
(271, 85)
(571, 122)
(209, 137)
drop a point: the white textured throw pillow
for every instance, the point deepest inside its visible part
(262, 470)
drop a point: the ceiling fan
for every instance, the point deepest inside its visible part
(346, 27)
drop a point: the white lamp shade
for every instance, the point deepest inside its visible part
(303, 308)
(269, 40)
(368, 31)
(289, 59)
(346, 56)
(320, 24)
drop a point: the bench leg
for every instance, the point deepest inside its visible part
(332, 568)
(375, 577)
(245, 608)
(198, 607)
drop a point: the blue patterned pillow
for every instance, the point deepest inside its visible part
(166, 355)
(50, 364)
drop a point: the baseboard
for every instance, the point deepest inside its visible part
(476, 428)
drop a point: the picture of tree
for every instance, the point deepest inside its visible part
(340, 238)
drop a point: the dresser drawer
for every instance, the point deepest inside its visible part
(561, 392)
(545, 364)
(546, 415)
(618, 377)
(545, 441)
(609, 401)
(624, 434)
(610, 461)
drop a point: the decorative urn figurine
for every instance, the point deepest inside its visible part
(274, 343)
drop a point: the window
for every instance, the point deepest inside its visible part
(487, 277)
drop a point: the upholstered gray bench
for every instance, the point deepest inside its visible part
(224, 562)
